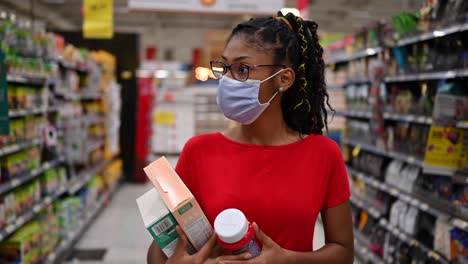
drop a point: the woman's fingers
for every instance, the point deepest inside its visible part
(181, 248)
(207, 249)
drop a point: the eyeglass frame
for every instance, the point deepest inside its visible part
(228, 68)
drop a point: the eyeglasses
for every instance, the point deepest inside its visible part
(239, 71)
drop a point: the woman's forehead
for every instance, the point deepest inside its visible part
(238, 48)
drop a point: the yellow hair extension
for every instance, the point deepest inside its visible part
(299, 104)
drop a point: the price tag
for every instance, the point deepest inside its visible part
(394, 191)
(20, 221)
(460, 223)
(356, 151)
(48, 200)
(411, 159)
(37, 208)
(15, 183)
(424, 206)
(434, 255)
(10, 229)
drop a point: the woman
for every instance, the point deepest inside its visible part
(275, 166)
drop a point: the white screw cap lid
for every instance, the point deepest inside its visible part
(231, 225)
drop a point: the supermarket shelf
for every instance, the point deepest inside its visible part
(94, 144)
(422, 205)
(91, 96)
(354, 114)
(94, 119)
(402, 235)
(355, 56)
(22, 79)
(85, 176)
(10, 185)
(427, 76)
(411, 241)
(30, 214)
(362, 249)
(18, 146)
(374, 212)
(21, 113)
(391, 154)
(433, 34)
(70, 66)
(410, 118)
(67, 244)
(68, 95)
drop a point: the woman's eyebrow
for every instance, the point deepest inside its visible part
(236, 59)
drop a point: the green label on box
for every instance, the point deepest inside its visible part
(164, 232)
(4, 119)
(184, 209)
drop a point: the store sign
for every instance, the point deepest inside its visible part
(209, 6)
(4, 119)
(98, 19)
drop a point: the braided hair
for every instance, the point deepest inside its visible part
(294, 41)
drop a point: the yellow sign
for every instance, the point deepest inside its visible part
(164, 118)
(98, 20)
(445, 148)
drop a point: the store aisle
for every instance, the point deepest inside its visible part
(119, 229)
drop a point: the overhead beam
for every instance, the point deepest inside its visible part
(43, 13)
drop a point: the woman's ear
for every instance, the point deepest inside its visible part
(286, 79)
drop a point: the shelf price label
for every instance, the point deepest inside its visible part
(356, 151)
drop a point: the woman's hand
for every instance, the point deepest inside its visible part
(181, 255)
(271, 252)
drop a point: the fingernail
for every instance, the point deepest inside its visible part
(247, 256)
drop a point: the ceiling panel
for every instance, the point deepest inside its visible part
(332, 15)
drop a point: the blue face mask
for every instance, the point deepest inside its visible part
(239, 100)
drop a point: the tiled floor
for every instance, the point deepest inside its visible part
(119, 229)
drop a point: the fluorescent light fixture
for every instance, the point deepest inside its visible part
(438, 33)
(161, 74)
(286, 10)
(371, 51)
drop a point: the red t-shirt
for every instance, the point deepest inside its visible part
(281, 188)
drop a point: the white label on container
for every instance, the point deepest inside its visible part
(198, 232)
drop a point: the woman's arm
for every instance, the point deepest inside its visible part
(338, 243)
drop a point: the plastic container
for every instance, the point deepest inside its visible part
(235, 234)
